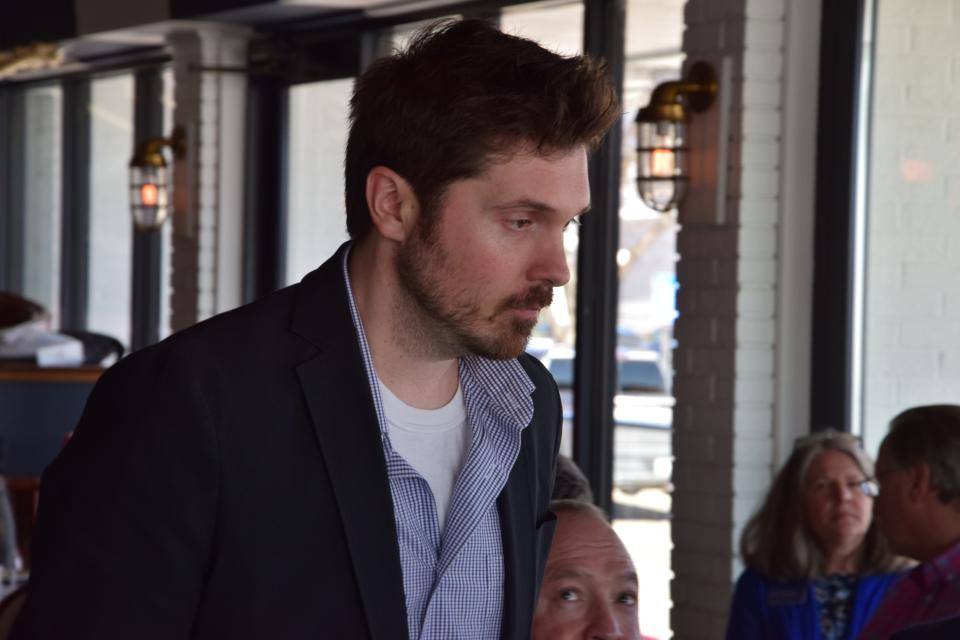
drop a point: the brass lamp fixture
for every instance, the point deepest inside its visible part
(150, 188)
(661, 135)
(39, 56)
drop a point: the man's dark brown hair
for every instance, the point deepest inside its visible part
(460, 93)
(929, 434)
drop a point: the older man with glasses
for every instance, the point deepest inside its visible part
(918, 509)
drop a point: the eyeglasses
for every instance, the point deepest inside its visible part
(875, 480)
(818, 437)
(868, 486)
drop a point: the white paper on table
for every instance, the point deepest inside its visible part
(49, 348)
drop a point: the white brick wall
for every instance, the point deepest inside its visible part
(742, 356)
(912, 297)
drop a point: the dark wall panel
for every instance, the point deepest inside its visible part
(24, 22)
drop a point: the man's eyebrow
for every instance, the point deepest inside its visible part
(569, 572)
(573, 572)
(535, 205)
(525, 203)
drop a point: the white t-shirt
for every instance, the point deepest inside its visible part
(433, 441)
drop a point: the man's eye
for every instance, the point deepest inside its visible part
(569, 595)
(627, 598)
(520, 223)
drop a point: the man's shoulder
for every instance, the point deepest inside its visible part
(250, 322)
(255, 334)
(261, 321)
(940, 630)
(222, 338)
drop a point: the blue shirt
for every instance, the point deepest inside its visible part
(453, 577)
(764, 608)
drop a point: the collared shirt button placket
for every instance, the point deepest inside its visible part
(457, 592)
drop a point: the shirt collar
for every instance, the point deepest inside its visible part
(940, 569)
(507, 387)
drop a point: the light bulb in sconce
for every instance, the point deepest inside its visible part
(661, 136)
(150, 188)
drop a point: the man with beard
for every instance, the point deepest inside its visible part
(367, 454)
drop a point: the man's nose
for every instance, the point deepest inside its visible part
(604, 624)
(551, 263)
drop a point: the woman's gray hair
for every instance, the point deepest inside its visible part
(778, 543)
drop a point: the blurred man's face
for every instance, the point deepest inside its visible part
(589, 587)
(895, 508)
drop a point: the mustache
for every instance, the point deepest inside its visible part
(533, 298)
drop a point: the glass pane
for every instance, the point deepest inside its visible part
(643, 405)
(43, 108)
(911, 324)
(111, 243)
(316, 216)
(558, 27)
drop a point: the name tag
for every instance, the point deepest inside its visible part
(786, 596)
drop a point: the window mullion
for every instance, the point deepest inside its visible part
(75, 203)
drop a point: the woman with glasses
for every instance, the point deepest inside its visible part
(817, 566)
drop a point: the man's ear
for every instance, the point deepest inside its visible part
(920, 481)
(393, 206)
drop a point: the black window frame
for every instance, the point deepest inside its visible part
(839, 101)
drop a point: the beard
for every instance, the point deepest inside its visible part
(446, 317)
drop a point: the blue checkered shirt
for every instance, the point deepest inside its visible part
(453, 577)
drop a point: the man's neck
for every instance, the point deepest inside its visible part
(938, 528)
(416, 376)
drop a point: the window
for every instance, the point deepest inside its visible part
(110, 233)
(316, 213)
(42, 154)
(68, 213)
(643, 406)
(910, 220)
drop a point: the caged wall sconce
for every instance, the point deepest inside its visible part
(150, 187)
(661, 135)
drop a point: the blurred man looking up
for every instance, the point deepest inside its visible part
(589, 589)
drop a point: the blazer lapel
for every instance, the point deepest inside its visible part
(337, 393)
(526, 531)
(517, 514)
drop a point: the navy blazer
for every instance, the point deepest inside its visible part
(230, 483)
